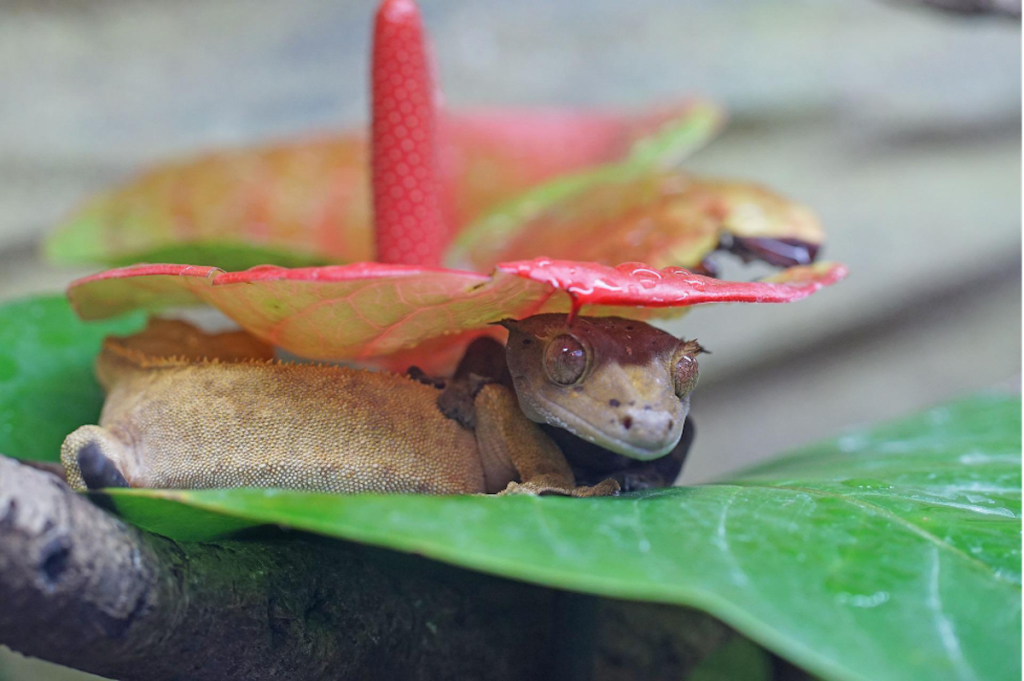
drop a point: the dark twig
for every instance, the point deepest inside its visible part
(83, 589)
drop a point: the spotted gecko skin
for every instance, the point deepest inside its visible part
(226, 415)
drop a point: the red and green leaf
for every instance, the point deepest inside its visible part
(371, 309)
(309, 203)
(305, 203)
(625, 212)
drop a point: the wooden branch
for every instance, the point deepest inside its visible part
(83, 589)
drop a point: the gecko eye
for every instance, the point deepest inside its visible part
(565, 360)
(685, 375)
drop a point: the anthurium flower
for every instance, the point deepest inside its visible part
(308, 202)
(430, 174)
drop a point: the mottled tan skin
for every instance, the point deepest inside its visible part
(225, 414)
(626, 401)
(622, 418)
(186, 409)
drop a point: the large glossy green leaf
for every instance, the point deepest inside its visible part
(886, 554)
(47, 388)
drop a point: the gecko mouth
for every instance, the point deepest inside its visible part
(631, 449)
(645, 449)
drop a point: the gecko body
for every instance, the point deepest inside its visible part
(186, 409)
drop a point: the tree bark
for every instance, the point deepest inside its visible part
(81, 588)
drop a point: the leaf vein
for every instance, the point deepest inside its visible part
(925, 534)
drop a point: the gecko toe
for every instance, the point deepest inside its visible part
(97, 470)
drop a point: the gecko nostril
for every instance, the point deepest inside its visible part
(671, 424)
(627, 422)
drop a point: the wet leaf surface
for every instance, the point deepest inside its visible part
(885, 554)
(369, 309)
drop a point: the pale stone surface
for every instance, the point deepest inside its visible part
(934, 354)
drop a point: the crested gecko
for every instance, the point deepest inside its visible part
(186, 409)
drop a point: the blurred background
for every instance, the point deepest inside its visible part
(899, 124)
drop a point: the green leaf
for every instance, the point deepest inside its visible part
(887, 554)
(47, 387)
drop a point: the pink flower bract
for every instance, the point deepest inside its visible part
(428, 173)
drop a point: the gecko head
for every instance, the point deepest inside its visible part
(619, 383)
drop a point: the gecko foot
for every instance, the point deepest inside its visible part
(420, 376)
(97, 470)
(605, 488)
(457, 394)
(458, 400)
